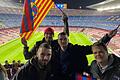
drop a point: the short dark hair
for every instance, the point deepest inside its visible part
(62, 33)
(100, 44)
(45, 45)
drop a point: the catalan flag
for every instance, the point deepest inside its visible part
(34, 13)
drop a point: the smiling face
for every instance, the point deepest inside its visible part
(48, 36)
(100, 54)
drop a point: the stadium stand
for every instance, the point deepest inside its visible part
(92, 23)
(80, 12)
(114, 44)
(10, 20)
(94, 34)
(10, 3)
(8, 34)
(11, 15)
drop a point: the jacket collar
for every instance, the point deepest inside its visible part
(97, 70)
(38, 65)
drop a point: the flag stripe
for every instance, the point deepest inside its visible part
(25, 24)
(37, 2)
(22, 27)
(44, 14)
(40, 3)
(28, 11)
(27, 35)
(27, 18)
(40, 11)
(41, 14)
(22, 35)
(43, 7)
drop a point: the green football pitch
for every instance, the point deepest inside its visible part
(13, 50)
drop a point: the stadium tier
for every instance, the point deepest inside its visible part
(104, 22)
(9, 3)
(9, 34)
(86, 27)
(10, 20)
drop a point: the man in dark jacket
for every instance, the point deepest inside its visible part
(48, 37)
(72, 58)
(105, 66)
(39, 67)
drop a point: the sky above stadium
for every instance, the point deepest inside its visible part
(74, 4)
(78, 3)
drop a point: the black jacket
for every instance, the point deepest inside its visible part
(30, 54)
(72, 61)
(112, 72)
(34, 71)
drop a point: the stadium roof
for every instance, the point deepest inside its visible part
(84, 4)
(108, 5)
(15, 6)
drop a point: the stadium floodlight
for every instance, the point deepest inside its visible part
(109, 8)
(101, 3)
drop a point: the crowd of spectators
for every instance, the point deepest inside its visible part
(12, 68)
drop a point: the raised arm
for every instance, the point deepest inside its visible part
(66, 27)
(27, 54)
(106, 39)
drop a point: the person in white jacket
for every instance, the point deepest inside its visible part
(3, 73)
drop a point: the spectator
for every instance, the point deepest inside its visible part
(19, 63)
(8, 69)
(14, 67)
(3, 73)
(72, 58)
(39, 67)
(48, 37)
(105, 66)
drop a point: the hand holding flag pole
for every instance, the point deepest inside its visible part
(65, 20)
(23, 41)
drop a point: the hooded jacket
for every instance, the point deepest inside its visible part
(33, 70)
(32, 52)
(112, 72)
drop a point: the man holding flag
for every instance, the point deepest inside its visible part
(48, 33)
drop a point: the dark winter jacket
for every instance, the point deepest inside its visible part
(35, 71)
(112, 72)
(29, 54)
(73, 60)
